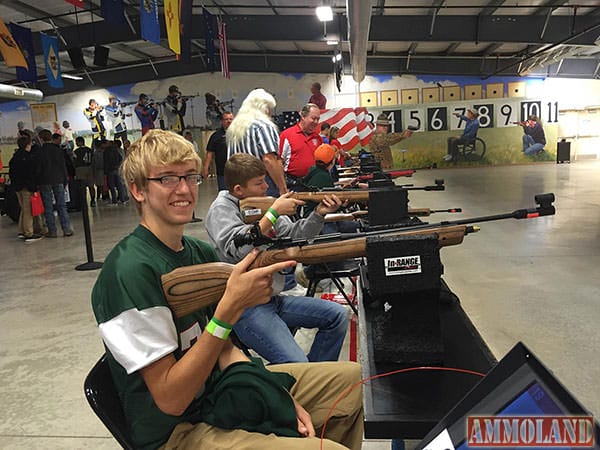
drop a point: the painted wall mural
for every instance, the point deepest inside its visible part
(425, 102)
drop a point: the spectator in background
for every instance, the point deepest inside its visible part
(344, 158)
(67, 136)
(325, 130)
(126, 145)
(297, 145)
(83, 167)
(317, 98)
(253, 132)
(146, 111)
(216, 151)
(52, 181)
(174, 107)
(112, 163)
(22, 171)
(98, 168)
(190, 137)
(56, 129)
(469, 134)
(115, 115)
(93, 113)
(56, 140)
(534, 137)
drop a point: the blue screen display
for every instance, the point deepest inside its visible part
(533, 401)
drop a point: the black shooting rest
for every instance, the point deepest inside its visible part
(409, 405)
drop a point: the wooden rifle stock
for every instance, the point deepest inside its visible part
(253, 208)
(190, 288)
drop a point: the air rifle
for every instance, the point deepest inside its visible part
(253, 208)
(190, 288)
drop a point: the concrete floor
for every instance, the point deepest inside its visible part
(534, 281)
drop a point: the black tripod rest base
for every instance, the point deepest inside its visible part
(90, 265)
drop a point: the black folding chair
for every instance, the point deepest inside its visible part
(104, 400)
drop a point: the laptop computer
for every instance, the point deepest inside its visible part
(519, 387)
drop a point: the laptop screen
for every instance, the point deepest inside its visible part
(518, 386)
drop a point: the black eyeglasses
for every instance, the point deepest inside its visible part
(173, 180)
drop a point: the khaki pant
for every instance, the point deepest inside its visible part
(25, 218)
(318, 386)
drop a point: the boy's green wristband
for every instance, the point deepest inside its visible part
(275, 213)
(218, 329)
(272, 218)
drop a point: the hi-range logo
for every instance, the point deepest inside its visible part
(402, 265)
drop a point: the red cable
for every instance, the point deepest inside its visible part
(381, 375)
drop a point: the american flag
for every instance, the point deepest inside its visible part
(223, 48)
(355, 124)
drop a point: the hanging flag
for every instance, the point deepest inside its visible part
(113, 12)
(185, 34)
(53, 73)
(78, 3)
(171, 8)
(223, 53)
(150, 26)
(9, 48)
(24, 40)
(209, 40)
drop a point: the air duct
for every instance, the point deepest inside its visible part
(19, 93)
(359, 21)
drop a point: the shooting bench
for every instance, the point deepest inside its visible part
(408, 405)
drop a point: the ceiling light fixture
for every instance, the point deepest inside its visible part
(71, 77)
(324, 13)
(333, 42)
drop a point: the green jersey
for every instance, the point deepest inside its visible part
(138, 328)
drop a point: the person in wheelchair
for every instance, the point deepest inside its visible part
(468, 136)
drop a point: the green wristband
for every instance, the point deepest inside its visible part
(217, 330)
(269, 215)
(275, 213)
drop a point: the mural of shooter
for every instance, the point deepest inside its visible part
(215, 109)
(175, 107)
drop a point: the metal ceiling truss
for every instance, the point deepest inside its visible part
(532, 34)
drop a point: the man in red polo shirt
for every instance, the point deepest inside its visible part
(297, 145)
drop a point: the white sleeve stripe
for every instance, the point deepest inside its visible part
(137, 338)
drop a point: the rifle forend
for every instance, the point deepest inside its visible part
(253, 208)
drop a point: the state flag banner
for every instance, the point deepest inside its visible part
(24, 40)
(53, 72)
(185, 30)
(149, 23)
(171, 8)
(10, 49)
(209, 40)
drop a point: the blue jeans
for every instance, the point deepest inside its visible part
(266, 329)
(116, 187)
(221, 183)
(58, 190)
(530, 147)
